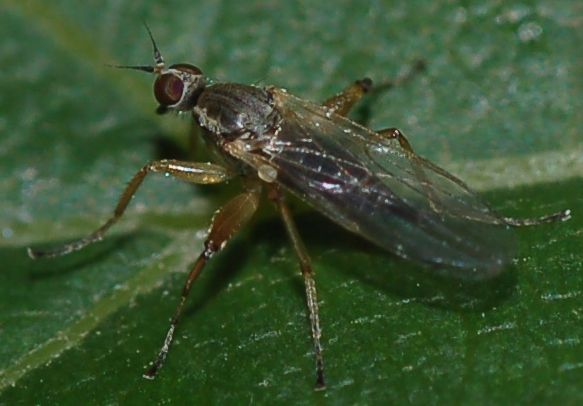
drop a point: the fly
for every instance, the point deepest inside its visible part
(370, 182)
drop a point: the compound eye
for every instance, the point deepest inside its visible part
(168, 89)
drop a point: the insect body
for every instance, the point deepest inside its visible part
(371, 183)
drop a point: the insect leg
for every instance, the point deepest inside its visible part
(342, 102)
(418, 162)
(416, 67)
(310, 283)
(225, 223)
(562, 215)
(395, 133)
(201, 173)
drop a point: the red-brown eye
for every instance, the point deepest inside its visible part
(168, 89)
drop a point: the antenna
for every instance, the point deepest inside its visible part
(158, 59)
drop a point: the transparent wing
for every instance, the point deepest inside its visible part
(372, 186)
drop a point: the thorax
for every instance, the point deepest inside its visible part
(229, 111)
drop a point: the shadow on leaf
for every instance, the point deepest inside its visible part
(362, 260)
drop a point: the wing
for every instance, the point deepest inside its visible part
(372, 186)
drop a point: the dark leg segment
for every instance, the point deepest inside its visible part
(194, 172)
(342, 102)
(310, 283)
(226, 222)
(415, 68)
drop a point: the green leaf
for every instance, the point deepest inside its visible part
(499, 105)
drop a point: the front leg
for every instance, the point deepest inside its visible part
(194, 172)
